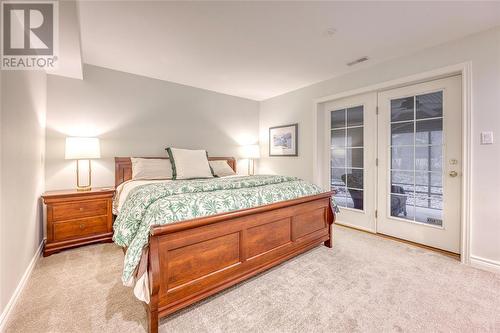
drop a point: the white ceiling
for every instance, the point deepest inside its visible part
(259, 50)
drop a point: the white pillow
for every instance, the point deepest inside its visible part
(221, 168)
(189, 164)
(151, 168)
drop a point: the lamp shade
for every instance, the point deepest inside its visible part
(250, 151)
(79, 148)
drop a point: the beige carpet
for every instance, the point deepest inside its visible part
(364, 284)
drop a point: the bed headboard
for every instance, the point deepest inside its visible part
(123, 167)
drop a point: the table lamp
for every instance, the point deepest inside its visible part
(251, 152)
(81, 149)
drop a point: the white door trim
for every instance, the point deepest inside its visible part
(465, 69)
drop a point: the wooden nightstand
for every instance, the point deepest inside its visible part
(77, 218)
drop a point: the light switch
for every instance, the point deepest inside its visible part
(486, 138)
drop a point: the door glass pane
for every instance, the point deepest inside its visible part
(338, 119)
(429, 202)
(430, 105)
(355, 137)
(402, 134)
(337, 174)
(354, 198)
(354, 178)
(347, 156)
(402, 206)
(429, 132)
(340, 195)
(402, 182)
(437, 181)
(429, 210)
(338, 158)
(402, 109)
(338, 138)
(402, 158)
(428, 183)
(429, 158)
(354, 158)
(355, 116)
(416, 185)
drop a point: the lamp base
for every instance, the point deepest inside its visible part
(87, 187)
(251, 167)
(83, 188)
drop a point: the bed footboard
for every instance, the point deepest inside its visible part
(194, 259)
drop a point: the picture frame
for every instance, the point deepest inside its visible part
(283, 140)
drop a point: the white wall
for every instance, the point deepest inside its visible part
(22, 131)
(483, 50)
(69, 61)
(139, 116)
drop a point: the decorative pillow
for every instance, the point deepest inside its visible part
(221, 168)
(189, 164)
(151, 168)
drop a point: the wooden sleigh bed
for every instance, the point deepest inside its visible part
(193, 259)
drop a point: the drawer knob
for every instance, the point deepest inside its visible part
(82, 226)
(81, 209)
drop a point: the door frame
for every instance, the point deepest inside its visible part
(465, 70)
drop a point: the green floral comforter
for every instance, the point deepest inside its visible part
(163, 203)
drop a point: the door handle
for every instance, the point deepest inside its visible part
(453, 173)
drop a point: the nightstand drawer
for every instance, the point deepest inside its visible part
(80, 227)
(80, 209)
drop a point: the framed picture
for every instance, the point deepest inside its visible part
(283, 140)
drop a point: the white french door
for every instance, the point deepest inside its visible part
(419, 172)
(351, 124)
(397, 171)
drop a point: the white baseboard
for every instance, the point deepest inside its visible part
(4, 317)
(485, 264)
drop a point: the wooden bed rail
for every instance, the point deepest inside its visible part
(192, 260)
(157, 230)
